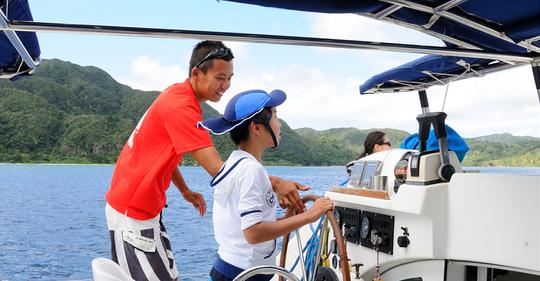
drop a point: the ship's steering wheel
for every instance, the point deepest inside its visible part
(283, 273)
(266, 269)
(340, 242)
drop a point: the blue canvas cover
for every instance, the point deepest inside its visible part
(419, 73)
(497, 26)
(517, 20)
(514, 26)
(11, 64)
(320, 6)
(455, 142)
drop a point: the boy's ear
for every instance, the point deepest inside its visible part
(253, 127)
(257, 128)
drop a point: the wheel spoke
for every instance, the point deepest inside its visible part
(342, 249)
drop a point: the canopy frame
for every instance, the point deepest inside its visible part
(442, 12)
(262, 38)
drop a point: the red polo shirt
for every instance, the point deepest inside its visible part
(144, 168)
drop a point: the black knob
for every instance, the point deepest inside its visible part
(403, 241)
(333, 246)
(350, 232)
(405, 230)
(446, 171)
(357, 269)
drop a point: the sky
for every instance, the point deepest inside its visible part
(321, 83)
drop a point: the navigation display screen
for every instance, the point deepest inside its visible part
(356, 173)
(369, 172)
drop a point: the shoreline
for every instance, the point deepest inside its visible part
(267, 165)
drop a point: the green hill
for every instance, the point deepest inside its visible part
(503, 150)
(349, 139)
(67, 113)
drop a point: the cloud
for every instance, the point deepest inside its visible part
(149, 74)
(355, 27)
(321, 98)
(240, 49)
(498, 103)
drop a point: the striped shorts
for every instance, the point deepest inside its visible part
(141, 248)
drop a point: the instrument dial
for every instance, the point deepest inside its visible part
(364, 227)
(337, 215)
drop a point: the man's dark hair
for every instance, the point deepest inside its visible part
(241, 133)
(201, 50)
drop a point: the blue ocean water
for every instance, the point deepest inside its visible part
(52, 220)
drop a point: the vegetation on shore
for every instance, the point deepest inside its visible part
(72, 114)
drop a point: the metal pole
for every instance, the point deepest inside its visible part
(536, 74)
(263, 38)
(301, 255)
(423, 101)
(448, 15)
(319, 247)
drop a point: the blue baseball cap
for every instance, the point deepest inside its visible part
(242, 107)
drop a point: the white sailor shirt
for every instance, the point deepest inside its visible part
(243, 197)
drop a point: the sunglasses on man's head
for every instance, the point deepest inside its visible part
(216, 54)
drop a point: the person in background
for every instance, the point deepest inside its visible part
(149, 162)
(375, 141)
(244, 216)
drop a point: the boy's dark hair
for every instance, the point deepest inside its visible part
(201, 50)
(241, 133)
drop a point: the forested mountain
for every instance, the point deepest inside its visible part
(66, 113)
(503, 150)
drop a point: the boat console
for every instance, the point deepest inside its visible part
(426, 167)
(414, 215)
(422, 227)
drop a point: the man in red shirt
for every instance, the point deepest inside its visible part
(149, 161)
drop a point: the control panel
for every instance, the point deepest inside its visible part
(362, 173)
(369, 229)
(349, 221)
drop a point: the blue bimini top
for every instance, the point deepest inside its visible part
(510, 27)
(12, 65)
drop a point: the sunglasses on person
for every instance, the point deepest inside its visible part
(387, 143)
(216, 54)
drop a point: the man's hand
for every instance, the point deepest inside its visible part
(287, 193)
(197, 199)
(194, 198)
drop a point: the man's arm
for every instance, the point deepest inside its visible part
(209, 159)
(194, 198)
(287, 193)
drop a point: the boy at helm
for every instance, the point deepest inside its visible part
(244, 212)
(149, 162)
